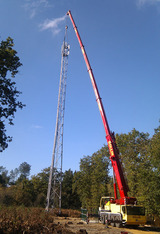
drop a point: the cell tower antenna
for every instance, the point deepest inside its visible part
(55, 177)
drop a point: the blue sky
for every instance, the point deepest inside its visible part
(122, 40)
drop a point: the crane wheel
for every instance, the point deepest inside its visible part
(113, 224)
(118, 225)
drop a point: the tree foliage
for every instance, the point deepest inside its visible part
(40, 184)
(153, 193)
(70, 198)
(4, 179)
(24, 170)
(91, 181)
(19, 174)
(133, 149)
(9, 64)
(139, 155)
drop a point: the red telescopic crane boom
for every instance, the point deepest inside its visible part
(114, 155)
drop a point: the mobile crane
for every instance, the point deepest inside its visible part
(122, 211)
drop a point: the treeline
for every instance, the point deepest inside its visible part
(140, 156)
(17, 189)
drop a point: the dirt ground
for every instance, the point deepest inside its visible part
(76, 225)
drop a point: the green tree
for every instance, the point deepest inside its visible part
(153, 185)
(70, 198)
(13, 176)
(99, 176)
(82, 181)
(24, 170)
(4, 178)
(155, 149)
(133, 149)
(9, 64)
(140, 156)
(24, 193)
(91, 181)
(40, 184)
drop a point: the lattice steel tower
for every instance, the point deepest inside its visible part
(55, 177)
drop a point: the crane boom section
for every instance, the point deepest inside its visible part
(122, 185)
(99, 102)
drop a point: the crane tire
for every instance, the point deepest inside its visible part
(118, 225)
(112, 224)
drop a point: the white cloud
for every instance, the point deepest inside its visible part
(37, 126)
(33, 7)
(53, 25)
(141, 3)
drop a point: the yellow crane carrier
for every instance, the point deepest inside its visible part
(120, 215)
